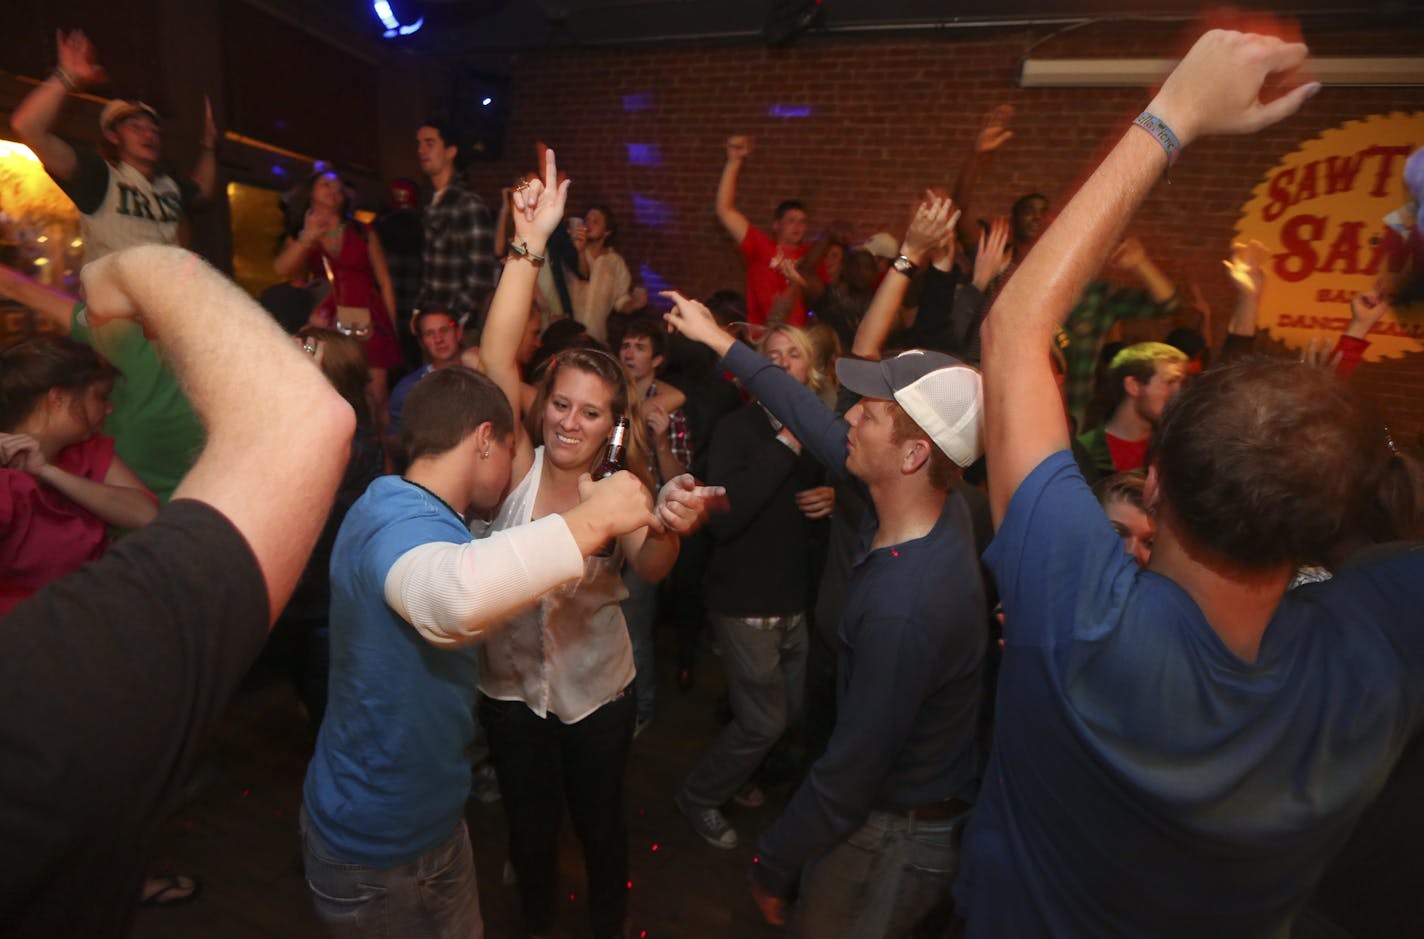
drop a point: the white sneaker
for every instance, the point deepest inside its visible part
(710, 823)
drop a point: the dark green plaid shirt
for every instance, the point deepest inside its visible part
(1086, 329)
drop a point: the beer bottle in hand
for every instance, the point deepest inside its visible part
(614, 459)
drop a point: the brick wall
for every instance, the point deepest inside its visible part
(643, 130)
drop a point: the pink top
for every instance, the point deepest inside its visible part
(43, 533)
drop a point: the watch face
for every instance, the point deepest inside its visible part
(904, 265)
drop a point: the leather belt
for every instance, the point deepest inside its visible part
(934, 812)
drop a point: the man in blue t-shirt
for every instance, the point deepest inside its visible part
(383, 830)
(1179, 751)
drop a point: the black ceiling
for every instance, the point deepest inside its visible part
(508, 25)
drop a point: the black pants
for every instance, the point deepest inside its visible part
(543, 764)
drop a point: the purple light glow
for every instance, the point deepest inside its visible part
(639, 101)
(652, 213)
(653, 281)
(644, 154)
(789, 110)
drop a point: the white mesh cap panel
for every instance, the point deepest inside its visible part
(948, 404)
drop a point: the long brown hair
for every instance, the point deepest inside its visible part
(343, 362)
(598, 363)
(30, 369)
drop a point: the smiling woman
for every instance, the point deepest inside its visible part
(556, 678)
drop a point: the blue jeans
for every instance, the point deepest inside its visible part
(881, 881)
(640, 610)
(765, 662)
(434, 895)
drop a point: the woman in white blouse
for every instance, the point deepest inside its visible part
(558, 706)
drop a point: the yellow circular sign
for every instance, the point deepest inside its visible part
(1336, 216)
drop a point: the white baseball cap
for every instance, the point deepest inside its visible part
(942, 395)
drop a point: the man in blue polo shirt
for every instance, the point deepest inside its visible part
(1179, 751)
(872, 830)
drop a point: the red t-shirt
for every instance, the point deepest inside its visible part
(43, 534)
(764, 282)
(1127, 455)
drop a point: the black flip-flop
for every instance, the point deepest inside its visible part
(173, 890)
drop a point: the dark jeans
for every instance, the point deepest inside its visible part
(542, 765)
(683, 592)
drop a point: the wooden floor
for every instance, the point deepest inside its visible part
(239, 833)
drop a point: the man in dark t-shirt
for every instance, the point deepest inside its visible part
(110, 675)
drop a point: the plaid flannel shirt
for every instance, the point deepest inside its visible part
(1087, 326)
(679, 438)
(458, 257)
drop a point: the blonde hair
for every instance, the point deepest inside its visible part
(815, 374)
(827, 344)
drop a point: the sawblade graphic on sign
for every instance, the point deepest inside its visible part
(1337, 219)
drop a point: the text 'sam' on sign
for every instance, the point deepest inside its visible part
(1337, 218)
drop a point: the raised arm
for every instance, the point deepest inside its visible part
(1247, 268)
(810, 282)
(993, 134)
(537, 207)
(1214, 90)
(35, 115)
(1366, 308)
(738, 149)
(269, 414)
(55, 306)
(205, 170)
(293, 257)
(932, 223)
(813, 425)
(1132, 257)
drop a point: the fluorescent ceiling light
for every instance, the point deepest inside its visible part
(1134, 73)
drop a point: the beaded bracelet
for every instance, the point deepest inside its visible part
(1160, 132)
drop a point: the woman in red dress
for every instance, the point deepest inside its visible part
(349, 254)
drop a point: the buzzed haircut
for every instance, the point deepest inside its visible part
(447, 406)
(788, 205)
(420, 318)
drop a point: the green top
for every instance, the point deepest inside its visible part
(154, 428)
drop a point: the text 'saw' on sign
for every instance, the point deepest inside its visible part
(1338, 219)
